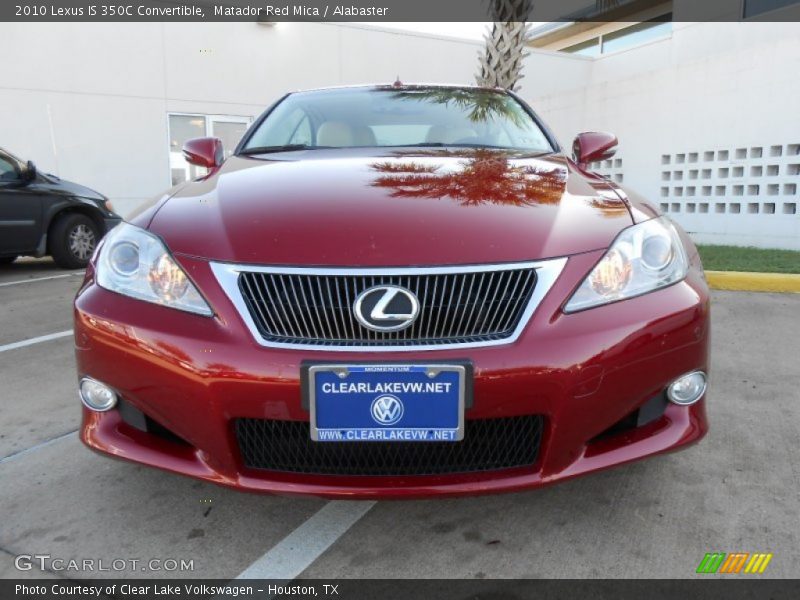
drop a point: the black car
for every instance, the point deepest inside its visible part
(41, 214)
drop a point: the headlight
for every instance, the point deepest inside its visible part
(643, 258)
(136, 263)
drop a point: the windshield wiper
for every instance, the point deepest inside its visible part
(284, 148)
(455, 145)
(476, 145)
(525, 151)
(420, 145)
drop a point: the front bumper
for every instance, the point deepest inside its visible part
(585, 373)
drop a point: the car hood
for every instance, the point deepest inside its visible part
(56, 185)
(391, 209)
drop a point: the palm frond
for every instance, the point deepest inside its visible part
(482, 105)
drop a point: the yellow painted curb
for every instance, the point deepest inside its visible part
(753, 282)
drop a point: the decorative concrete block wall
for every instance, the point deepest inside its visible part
(610, 168)
(740, 181)
(708, 126)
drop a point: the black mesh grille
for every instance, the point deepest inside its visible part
(488, 445)
(454, 307)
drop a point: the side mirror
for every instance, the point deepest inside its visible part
(204, 152)
(593, 147)
(29, 174)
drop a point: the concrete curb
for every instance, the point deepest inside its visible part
(753, 282)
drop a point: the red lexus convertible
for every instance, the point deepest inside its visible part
(394, 291)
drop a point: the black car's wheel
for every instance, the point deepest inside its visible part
(7, 260)
(73, 240)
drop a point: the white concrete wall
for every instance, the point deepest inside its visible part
(89, 102)
(710, 88)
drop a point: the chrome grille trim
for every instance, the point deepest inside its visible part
(227, 274)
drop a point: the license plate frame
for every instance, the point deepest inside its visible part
(395, 373)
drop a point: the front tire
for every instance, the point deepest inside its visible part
(73, 239)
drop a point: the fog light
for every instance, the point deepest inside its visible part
(97, 396)
(687, 389)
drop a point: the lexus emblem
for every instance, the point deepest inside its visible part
(386, 308)
(387, 409)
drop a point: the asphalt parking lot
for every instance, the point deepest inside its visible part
(737, 491)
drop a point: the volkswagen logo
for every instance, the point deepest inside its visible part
(387, 409)
(386, 308)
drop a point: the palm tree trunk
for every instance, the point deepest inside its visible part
(502, 58)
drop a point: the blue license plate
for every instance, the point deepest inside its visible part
(386, 403)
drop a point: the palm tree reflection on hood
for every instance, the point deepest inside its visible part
(484, 177)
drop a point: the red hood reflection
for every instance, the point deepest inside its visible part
(374, 208)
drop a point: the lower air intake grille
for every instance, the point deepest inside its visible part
(488, 445)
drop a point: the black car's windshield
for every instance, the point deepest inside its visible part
(394, 117)
(10, 166)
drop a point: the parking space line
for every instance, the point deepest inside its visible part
(295, 553)
(36, 340)
(18, 281)
(37, 447)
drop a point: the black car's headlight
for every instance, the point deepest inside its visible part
(136, 263)
(643, 258)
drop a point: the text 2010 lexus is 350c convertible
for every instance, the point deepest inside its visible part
(394, 291)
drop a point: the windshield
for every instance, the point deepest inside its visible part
(389, 117)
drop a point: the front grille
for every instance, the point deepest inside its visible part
(455, 307)
(488, 445)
